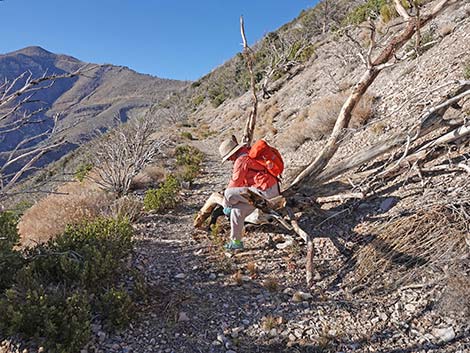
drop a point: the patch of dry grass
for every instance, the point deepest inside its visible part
(271, 284)
(404, 249)
(267, 113)
(127, 207)
(317, 121)
(73, 203)
(151, 176)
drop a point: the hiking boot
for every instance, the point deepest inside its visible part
(234, 245)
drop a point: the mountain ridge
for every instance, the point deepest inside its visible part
(86, 103)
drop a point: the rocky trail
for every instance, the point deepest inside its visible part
(204, 300)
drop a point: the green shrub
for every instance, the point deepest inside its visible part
(189, 160)
(188, 173)
(8, 232)
(217, 95)
(21, 207)
(90, 254)
(198, 100)
(188, 155)
(388, 12)
(61, 318)
(64, 284)
(307, 53)
(425, 44)
(371, 8)
(187, 135)
(10, 259)
(116, 307)
(163, 198)
(82, 171)
(466, 71)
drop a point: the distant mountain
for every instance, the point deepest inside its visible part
(86, 103)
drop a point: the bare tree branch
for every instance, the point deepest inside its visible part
(251, 121)
(123, 153)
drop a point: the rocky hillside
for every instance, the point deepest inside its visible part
(391, 266)
(87, 103)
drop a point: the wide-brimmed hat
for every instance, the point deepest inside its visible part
(228, 147)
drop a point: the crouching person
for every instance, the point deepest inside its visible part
(246, 174)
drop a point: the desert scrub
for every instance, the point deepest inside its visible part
(466, 71)
(188, 162)
(74, 203)
(62, 319)
(371, 8)
(68, 282)
(163, 198)
(426, 41)
(10, 260)
(187, 135)
(82, 171)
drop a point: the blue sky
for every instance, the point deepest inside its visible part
(179, 39)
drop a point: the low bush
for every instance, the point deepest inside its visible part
(164, 197)
(187, 135)
(426, 42)
(371, 8)
(10, 260)
(82, 171)
(61, 319)
(466, 71)
(198, 100)
(64, 285)
(126, 207)
(188, 162)
(151, 176)
(73, 203)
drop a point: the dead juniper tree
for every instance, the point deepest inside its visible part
(319, 171)
(122, 153)
(284, 52)
(173, 110)
(16, 98)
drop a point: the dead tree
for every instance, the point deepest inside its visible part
(284, 51)
(122, 153)
(15, 96)
(251, 121)
(318, 173)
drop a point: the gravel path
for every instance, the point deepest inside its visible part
(203, 300)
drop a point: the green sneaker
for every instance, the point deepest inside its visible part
(234, 245)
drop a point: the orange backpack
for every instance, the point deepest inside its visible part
(268, 157)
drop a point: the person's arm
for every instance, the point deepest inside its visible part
(238, 174)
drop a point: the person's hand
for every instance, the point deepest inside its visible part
(227, 211)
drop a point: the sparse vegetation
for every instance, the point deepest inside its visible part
(318, 120)
(187, 135)
(188, 162)
(123, 153)
(73, 203)
(126, 207)
(163, 198)
(406, 247)
(271, 284)
(426, 42)
(251, 267)
(371, 8)
(150, 176)
(466, 71)
(238, 278)
(198, 100)
(82, 171)
(269, 322)
(57, 289)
